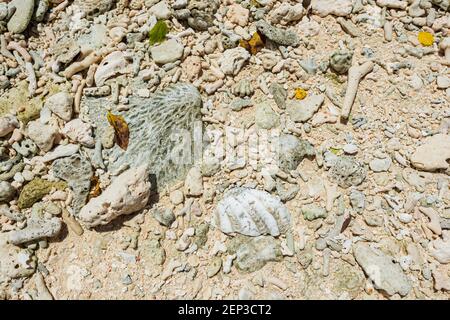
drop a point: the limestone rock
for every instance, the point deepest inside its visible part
(22, 16)
(201, 13)
(265, 117)
(433, 153)
(94, 8)
(41, 134)
(278, 35)
(161, 10)
(252, 212)
(238, 14)
(440, 249)
(340, 8)
(380, 165)
(61, 105)
(128, 193)
(65, 50)
(113, 64)
(311, 212)
(80, 132)
(193, 186)
(385, 274)
(77, 171)
(36, 229)
(7, 125)
(254, 253)
(286, 13)
(293, 151)
(341, 61)
(7, 192)
(168, 51)
(303, 110)
(348, 172)
(15, 262)
(232, 60)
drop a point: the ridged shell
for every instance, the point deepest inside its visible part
(252, 212)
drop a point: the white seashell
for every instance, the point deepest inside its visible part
(252, 212)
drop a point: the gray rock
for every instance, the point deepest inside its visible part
(286, 194)
(26, 147)
(94, 8)
(22, 16)
(380, 165)
(65, 50)
(202, 13)
(341, 61)
(348, 172)
(7, 192)
(253, 253)
(161, 10)
(210, 167)
(278, 35)
(279, 95)
(229, 42)
(193, 185)
(77, 171)
(238, 104)
(36, 229)
(214, 267)
(152, 252)
(309, 65)
(303, 110)
(15, 262)
(443, 82)
(292, 151)
(164, 216)
(265, 117)
(357, 200)
(201, 235)
(311, 212)
(61, 104)
(41, 10)
(157, 125)
(167, 52)
(386, 276)
(3, 11)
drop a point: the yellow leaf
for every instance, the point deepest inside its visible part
(255, 3)
(255, 44)
(121, 130)
(300, 93)
(425, 38)
(95, 187)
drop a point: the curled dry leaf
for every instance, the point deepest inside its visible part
(122, 132)
(95, 187)
(255, 44)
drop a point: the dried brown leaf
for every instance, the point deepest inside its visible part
(121, 130)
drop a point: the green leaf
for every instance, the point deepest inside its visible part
(336, 151)
(158, 33)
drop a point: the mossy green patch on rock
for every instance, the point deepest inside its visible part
(35, 190)
(18, 97)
